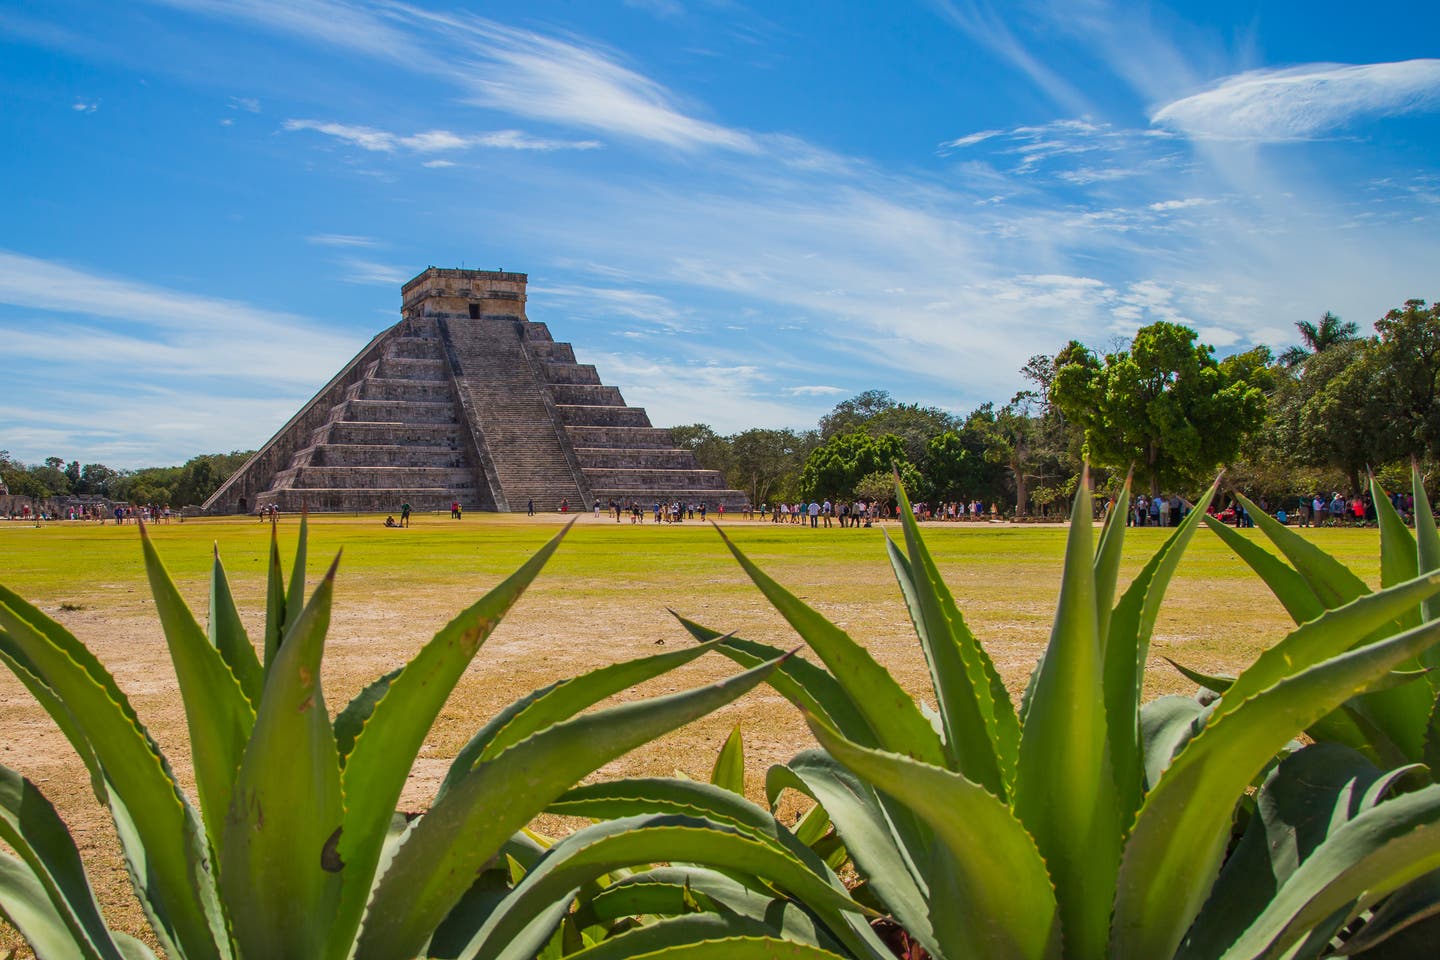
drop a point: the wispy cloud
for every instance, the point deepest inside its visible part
(368, 271)
(341, 240)
(816, 390)
(434, 141)
(84, 106)
(247, 104)
(1303, 102)
(156, 375)
(991, 27)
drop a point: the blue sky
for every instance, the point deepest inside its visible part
(740, 212)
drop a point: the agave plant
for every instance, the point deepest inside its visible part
(1394, 725)
(296, 849)
(1081, 825)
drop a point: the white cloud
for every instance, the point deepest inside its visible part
(341, 240)
(367, 271)
(82, 106)
(1164, 206)
(1303, 102)
(248, 104)
(970, 139)
(434, 141)
(438, 164)
(817, 390)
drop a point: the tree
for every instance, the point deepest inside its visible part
(710, 448)
(837, 466)
(1333, 411)
(1165, 405)
(876, 413)
(1316, 338)
(1409, 358)
(766, 464)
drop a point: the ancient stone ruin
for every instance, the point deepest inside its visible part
(466, 400)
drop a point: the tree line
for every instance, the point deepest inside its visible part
(1312, 419)
(190, 484)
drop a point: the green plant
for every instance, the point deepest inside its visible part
(1080, 825)
(296, 849)
(1395, 725)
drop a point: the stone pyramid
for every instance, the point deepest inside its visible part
(465, 399)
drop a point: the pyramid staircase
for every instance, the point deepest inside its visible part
(465, 400)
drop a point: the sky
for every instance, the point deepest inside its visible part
(741, 213)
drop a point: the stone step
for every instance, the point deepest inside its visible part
(561, 372)
(673, 458)
(366, 411)
(587, 394)
(625, 438)
(429, 391)
(415, 348)
(604, 416)
(386, 455)
(421, 499)
(457, 478)
(389, 432)
(552, 352)
(405, 368)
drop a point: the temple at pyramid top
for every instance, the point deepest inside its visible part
(468, 401)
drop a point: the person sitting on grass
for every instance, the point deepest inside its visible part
(390, 522)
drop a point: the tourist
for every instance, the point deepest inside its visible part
(390, 521)
(405, 514)
(530, 507)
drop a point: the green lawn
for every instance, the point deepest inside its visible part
(603, 598)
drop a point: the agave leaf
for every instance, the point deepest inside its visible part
(469, 915)
(1127, 648)
(1412, 910)
(350, 721)
(675, 932)
(881, 856)
(1167, 724)
(1333, 583)
(1107, 558)
(738, 948)
(217, 713)
(1431, 754)
(386, 745)
(898, 724)
(1330, 634)
(804, 684)
(558, 701)
(1065, 740)
(1289, 587)
(30, 827)
(278, 866)
(1219, 682)
(177, 889)
(982, 732)
(812, 825)
(1294, 810)
(1399, 560)
(1176, 846)
(594, 851)
(295, 595)
(1427, 543)
(1008, 905)
(729, 770)
(1361, 861)
(274, 601)
(26, 672)
(465, 827)
(26, 906)
(227, 634)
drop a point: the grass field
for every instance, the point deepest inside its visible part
(603, 598)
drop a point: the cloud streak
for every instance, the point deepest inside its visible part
(1303, 102)
(434, 141)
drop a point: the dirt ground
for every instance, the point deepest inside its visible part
(574, 619)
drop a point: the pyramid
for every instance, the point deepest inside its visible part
(467, 400)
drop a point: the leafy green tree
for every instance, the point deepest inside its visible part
(1319, 337)
(1409, 359)
(876, 413)
(766, 463)
(710, 448)
(1333, 412)
(954, 466)
(1165, 405)
(837, 466)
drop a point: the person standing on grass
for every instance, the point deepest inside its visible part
(405, 514)
(530, 507)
